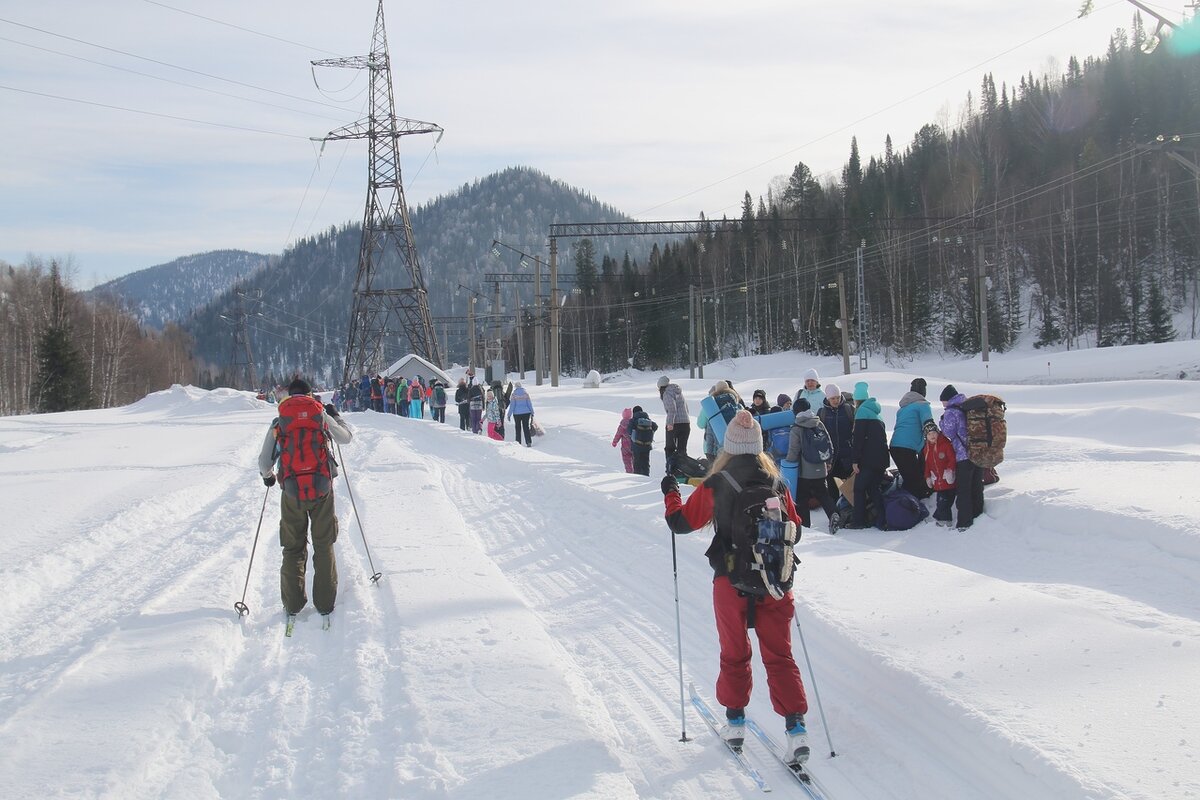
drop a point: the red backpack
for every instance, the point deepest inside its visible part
(306, 468)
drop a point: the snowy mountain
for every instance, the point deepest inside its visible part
(522, 642)
(172, 291)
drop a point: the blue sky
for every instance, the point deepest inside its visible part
(663, 108)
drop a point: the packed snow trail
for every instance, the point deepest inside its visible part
(522, 641)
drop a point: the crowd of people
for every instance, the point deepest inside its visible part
(930, 458)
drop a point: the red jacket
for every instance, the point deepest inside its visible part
(940, 464)
(699, 510)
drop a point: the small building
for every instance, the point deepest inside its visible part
(412, 366)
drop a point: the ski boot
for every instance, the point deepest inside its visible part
(734, 729)
(795, 746)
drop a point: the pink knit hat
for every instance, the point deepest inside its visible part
(743, 436)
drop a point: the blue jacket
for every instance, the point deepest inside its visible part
(519, 403)
(910, 420)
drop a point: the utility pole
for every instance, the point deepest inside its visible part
(983, 309)
(702, 354)
(471, 325)
(555, 363)
(386, 227)
(862, 310)
(496, 330)
(691, 330)
(844, 323)
(520, 332)
(241, 371)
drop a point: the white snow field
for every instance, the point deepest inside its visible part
(522, 640)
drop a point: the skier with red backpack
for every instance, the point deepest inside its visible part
(299, 440)
(755, 526)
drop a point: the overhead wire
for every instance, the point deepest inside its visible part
(241, 28)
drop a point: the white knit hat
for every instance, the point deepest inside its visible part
(812, 375)
(743, 436)
(663, 381)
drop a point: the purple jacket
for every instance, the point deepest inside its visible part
(954, 425)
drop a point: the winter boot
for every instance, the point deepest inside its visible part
(795, 748)
(734, 729)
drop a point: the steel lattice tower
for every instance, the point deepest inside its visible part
(240, 369)
(386, 227)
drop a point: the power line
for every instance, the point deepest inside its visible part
(168, 64)
(872, 115)
(240, 28)
(154, 113)
(166, 80)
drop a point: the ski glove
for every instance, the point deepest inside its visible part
(331, 410)
(269, 480)
(669, 484)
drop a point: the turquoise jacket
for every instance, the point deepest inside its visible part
(910, 420)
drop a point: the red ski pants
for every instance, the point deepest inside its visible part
(772, 623)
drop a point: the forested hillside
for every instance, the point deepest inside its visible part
(170, 292)
(1056, 192)
(306, 296)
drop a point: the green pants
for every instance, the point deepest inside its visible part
(294, 516)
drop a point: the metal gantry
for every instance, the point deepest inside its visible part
(386, 227)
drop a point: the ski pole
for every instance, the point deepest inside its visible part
(813, 677)
(683, 737)
(240, 606)
(375, 576)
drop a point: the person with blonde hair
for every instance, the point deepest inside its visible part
(742, 463)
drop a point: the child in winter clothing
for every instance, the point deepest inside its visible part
(642, 440)
(810, 479)
(713, 503)
(940, 467)
(492, 411)
(622, 437)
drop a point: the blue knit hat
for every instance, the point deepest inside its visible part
(860, 391)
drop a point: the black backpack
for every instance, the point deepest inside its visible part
(643, 431)
(761, 557)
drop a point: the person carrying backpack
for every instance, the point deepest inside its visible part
(437, 401)
(751, 511)
(464, 406)
(811, 391)
(299, 440)
(908, 438)
(870, 460)
(621, 437)
(809, 447)
(475, 401)
(641, 436)
(968, 475)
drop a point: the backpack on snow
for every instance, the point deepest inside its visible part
(761, 559)
(987, 432)
(815, 447)
(306, 467)
(901, 510)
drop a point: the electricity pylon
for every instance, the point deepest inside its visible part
(386, 227)
(240, 369)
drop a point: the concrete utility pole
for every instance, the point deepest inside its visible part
(520, 332)
(845, 323)
(691, 330)
(983, 309)
(862, 310)
(555, 362)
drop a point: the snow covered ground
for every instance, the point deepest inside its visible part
(522, 642)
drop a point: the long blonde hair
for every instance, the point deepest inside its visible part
(765, 463)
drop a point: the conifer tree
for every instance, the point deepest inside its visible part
(1159, 327)
(62, 379)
